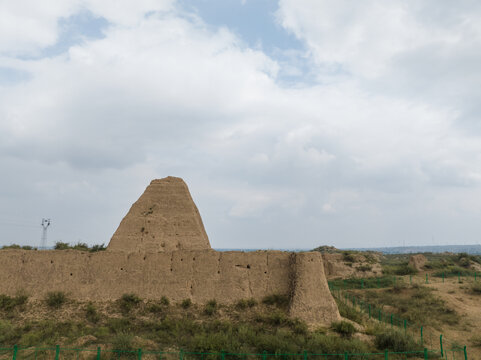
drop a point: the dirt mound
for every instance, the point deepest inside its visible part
(163, 219)
(417, 261)
(345, 265)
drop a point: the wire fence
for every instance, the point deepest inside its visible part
(390, 281)
(423, 336)
(58, 353)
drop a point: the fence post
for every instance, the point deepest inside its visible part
(305, 355)
(139, 354)
(346, 356)
(264, 355)
(422, 340)
(465, 353)
(181, 354)
(425, 353)
(15, 349)
(441, 344)
(98, 352)
(57, 352)
(427, 282)
(386, 355)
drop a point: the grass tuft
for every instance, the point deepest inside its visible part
(55, 299)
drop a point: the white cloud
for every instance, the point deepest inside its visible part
(163, 94)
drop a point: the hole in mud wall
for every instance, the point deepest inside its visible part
(121, 269)
(218, 272)
(145, 257)
(248, 266)
(51, 261)
(170, 269)
(193, 259)
(71, 274)
(265, 272)
(181, 259)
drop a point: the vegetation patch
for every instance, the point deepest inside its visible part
(279, 300)
(128, 301)
(344, 328)
(397, 341)
(186, 303)
(417, 304)
(79, 246)
(55, 299)
(8, 303)
(211, 307)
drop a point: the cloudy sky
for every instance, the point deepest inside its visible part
(295, 123)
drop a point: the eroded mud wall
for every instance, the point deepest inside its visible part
(199, 275)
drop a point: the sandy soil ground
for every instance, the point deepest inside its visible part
(468, 305)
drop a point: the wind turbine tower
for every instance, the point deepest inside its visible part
(45, 225)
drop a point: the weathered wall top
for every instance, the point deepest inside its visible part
(163, 219)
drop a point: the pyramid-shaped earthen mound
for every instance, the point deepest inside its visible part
(163, 219)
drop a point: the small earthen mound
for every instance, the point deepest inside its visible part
(417, 261)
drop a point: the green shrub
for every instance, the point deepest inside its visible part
(96, 248)
(81, 247)
(349, 312)
(61, 246)
(210, 308)
(55, 299)
(11, 247)
(476, 288)
(364, 267)
(128, 301)
(476, 340)
(155, 308)
(245, 303)
(123, 346)
(395, 340)
(186, 303)
(348, 257)
(344, 328)
(91, 313)
(279, 300)
(8, 303)
(164, 301)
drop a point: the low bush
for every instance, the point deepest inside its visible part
(349, 312)
(8, 303)
(476, 340)
(91, 313)
(164, 301)
(128, 301)
(55, 299)
(364, 267)
(246, 303)
(344, 328)
(210, 308)
(123, 346)
(186, 303)
(279, 300)
(395, 340)
(476, 288)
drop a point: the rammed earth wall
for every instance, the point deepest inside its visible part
(162, 249)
